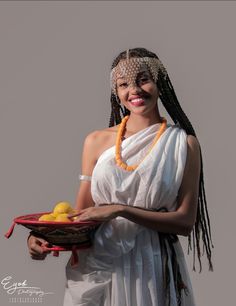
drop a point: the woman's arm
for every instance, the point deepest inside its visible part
(178, 222)
(84, 198)
(89, 159)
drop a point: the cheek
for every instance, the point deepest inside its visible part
(122, 95)
(151, 89)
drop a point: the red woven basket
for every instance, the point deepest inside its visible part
(65, 236)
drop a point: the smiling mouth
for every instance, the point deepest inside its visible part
(137, 102)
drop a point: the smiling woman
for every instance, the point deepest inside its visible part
(143, 80)
(143, 178)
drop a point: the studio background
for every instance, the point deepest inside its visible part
(55, 62)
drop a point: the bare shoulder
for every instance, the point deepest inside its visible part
(193, 152)
(94, 144)
(193, 145)
(98, 141)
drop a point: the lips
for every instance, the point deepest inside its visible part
(137, 101)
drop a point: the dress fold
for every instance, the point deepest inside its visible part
(129, 264)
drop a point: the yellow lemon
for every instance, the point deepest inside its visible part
(73, 211)
(47, 217)
(54, 214)
(62, 207)
(62, 218)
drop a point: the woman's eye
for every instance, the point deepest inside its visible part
(123, 85)
(144, 79)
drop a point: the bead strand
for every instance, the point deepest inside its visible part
(120, 132)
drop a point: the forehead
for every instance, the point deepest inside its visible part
(134, 74)
(127, 69)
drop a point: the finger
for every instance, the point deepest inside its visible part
(84, 217)
(41, 241)
(36, 247)
(45, 249)
(38, 257)
(44, 245)
(36, 254)
(73, 215)
(81, 212)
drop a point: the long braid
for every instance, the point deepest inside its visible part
(202, 228)
(170, 102)
(116, 111)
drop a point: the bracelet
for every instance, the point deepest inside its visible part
(85, 177)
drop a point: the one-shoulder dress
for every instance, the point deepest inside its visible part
(125, 265)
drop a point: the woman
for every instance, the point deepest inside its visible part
(144, 178)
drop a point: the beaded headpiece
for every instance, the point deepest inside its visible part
(129, 68)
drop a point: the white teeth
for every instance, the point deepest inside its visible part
(137, 100)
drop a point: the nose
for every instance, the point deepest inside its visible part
(134, 87)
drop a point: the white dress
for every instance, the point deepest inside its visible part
(124, 267)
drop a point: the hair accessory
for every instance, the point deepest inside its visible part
(120, 132)
(127, 54)
(129, 69)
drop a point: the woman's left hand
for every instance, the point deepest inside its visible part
(103, 212)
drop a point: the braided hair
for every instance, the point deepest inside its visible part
(202, 228)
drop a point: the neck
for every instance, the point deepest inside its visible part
(138, 122)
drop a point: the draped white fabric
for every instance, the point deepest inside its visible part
(124, 266)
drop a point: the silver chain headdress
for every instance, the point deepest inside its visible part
(130, 67)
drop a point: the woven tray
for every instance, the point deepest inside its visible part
(65, 236)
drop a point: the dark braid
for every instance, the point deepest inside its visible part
(168, 98)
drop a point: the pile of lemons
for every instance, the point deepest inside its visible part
(60, 213)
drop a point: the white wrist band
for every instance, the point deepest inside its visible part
(85, 177)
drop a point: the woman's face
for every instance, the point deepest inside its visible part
(139, 96)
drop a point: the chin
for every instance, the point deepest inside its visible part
(140, 112)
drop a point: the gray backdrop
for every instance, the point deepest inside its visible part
(55, 60)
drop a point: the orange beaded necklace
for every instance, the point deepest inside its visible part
(120, 132)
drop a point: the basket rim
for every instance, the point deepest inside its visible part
(21, 220)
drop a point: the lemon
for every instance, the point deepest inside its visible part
(54, 214)
(62, 218)
(47, 217)
(62, 207)
(59, 213)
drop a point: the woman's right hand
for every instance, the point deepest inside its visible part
(35, 247)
